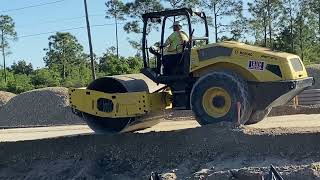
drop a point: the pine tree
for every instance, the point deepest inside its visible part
(221, 9)
(7, 33)
(115, 10)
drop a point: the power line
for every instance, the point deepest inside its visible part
(32, 6)
(59, 20)
(68, 29)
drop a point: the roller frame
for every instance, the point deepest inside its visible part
(130, 104)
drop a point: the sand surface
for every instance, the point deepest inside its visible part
(273, 125)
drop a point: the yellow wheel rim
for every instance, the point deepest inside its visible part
(216, 102)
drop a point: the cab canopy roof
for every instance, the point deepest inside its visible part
(172, 12)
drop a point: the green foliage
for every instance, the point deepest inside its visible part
(220, 9)
(266, 19)
(20, 83)
(3, 84)
(7, 33)
(182, 3)
(300, 36)
(283, 40)
(110, 65)
(63, 53)
(115, 9)
(79, 77)
(66, 65)
(315, 10)
(21, 68)
(285, 25)
(45, 78)
(135, 45)
(134, 11)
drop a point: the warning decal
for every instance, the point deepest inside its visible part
(256, 65)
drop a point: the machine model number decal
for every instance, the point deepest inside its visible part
(267, 57)
(256, 65)
(244, 53)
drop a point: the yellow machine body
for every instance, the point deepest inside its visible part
(216, 81)
(132, 104)
(236, 57)
(134, 97)
(120, 103)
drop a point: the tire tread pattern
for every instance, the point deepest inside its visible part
(236, 84)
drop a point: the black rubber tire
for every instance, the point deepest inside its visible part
(236, 87)
(103, 125)
(106, 125)
(258, 115)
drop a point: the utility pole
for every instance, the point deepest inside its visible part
(4, 56)
(116, 21)
(117, 37)
(90, 41)
(269, 23)
(215, 21)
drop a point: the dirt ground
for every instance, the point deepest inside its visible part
(177, 148)
(212, 152)
(288, 124)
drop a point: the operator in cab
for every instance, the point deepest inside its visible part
(173, 49)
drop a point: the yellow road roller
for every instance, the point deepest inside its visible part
(220, 82)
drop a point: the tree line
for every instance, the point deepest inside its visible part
(66, 65)
(284, 25)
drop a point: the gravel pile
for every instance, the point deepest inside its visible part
(5, 97)
(182, 115)
(42, 107)
(258, 173)
(314, 71)
(291, 110)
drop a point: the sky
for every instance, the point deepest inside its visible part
(65, 14)
(46, 18)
